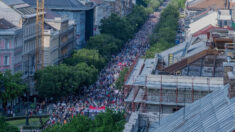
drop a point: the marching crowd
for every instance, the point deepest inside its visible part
(102, 94)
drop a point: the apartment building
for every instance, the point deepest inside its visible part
(23, 16)
(82, 14)
(59, 38)
(11, 47)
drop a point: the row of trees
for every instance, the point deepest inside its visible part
(165, 32)
(116, 30)
(121, 79)
(11, 86)
(151, 4)
(108, 121)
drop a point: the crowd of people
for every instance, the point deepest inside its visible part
(103, 94)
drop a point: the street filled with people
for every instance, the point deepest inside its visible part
(103, 94)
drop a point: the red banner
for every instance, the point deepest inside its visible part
(96, 108)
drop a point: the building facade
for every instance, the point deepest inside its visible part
(74, 10)
(59, 38)
(11, 47)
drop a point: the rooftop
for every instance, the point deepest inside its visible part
(50, 14)
(61, 4)
(13, 2)
(210, 19)
(4, 24)
(214, 112)
(202, 4)
(208, 29)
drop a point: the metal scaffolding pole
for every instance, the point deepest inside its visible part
(145, 94)
(176, 91)
(160, 106)
(192, 91)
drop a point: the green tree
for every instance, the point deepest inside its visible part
(12, 86)
(165, 31)
(105, 44)
(121, 79)
(62, 80)
(154, 4)
(5, 127)
(142, 3)
(87, 74)
(89, 56)
(55, 81)
(137, 17)
(108, 121)
(117, 26)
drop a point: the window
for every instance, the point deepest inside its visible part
(220, 23)
(6, 60)
(225, 23)
(1, 43)
(6, 44)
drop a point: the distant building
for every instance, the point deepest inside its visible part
(123, 7)
(11, 47)
(224, 18)
(210, 18)
(18, 39)
(23, 16)
(103, 9)
(82, 15)
(59, 38)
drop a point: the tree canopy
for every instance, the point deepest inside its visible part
(105, 44)
(165, 31)
(62, 80)
(11, 86)
(89, 56)
(123, 28)
(137, 17)
(108, 121)
(117, 26)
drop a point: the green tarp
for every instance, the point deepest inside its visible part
(233, 25)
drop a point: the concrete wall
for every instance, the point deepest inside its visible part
(103, 10)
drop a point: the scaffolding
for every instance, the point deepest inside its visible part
(189, 60)
(170, 92)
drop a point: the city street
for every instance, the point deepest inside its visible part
(102, 94)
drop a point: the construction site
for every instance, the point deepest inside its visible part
(178, 77)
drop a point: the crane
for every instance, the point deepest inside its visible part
(39, 35)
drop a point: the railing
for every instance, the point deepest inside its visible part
(184, 62)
